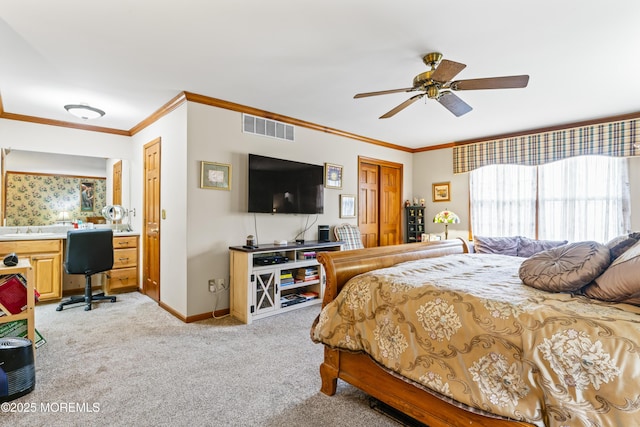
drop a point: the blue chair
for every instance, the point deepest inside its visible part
(88, 252)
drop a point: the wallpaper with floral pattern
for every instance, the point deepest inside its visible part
(39, 199)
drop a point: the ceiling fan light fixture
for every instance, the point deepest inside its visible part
(84, 111)
(436, 84)
(433, 92)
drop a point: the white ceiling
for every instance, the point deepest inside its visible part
(306, 59)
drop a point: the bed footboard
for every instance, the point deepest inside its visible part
(359, 369)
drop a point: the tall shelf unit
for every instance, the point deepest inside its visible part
(272, 279)
(24, 269)
(414, 223)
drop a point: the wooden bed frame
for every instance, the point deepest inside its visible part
(360, 370)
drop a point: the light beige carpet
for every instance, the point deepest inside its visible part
(131, 363)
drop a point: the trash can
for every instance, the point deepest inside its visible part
(17, 368)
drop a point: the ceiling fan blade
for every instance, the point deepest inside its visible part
(402, 106)
(454, 104)
(447, 70)
(508, 82)
(383, 92)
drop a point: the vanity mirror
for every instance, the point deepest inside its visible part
(116, 213)
(48, 189)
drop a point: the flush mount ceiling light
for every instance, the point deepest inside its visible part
(84, 111)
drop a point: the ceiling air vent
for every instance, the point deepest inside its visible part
(267, 127)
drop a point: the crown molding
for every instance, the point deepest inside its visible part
(183, 97)
(214, 102)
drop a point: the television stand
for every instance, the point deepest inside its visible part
(271, 279)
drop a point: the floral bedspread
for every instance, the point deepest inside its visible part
(466, 327)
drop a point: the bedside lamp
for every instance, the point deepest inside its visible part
(446, 217)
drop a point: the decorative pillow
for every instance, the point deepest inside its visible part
(621, 281)
(565, 268)
(619, 245)
(528, 247)
(496, 245)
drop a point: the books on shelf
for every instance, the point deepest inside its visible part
(309, 295)
(13, 293)
(306, 255)
(291, 299)
(286, 278)
(308, 273)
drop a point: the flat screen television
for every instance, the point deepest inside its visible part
(285, 186)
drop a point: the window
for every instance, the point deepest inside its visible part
(503, 200)
(579, 198)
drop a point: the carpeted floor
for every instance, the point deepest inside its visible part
(132, 363)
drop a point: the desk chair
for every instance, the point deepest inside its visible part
(88, 252)
(350, 235)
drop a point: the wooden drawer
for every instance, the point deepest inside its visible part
(125, 242)
(123, 258)
(123, 279)
(31, 246)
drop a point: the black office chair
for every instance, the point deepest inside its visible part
(88, 252)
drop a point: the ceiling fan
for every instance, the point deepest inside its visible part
(436, 84)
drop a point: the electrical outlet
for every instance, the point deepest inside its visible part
(212, 285)
(220, 284)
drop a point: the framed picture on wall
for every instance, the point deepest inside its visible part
(215, 176)
(332, 175)
(87, 199)
(347, 206)
(441, 191)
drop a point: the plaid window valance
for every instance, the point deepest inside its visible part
(615, 139)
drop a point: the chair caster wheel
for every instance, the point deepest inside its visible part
(87, 308)
(113, 299)
(59, 308)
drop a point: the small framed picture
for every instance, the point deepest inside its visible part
(86, 197)
(441, 191)
(332, 175)
(347, 206)
(215, 176)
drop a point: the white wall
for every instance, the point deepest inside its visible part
(172, 131)
(437, 166)
(60, 140)
(48, 163)
(218, 219)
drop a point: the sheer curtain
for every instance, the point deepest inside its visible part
(503, 200)
(580, 198)
(584, 198)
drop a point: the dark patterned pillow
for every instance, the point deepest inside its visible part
(496, 245)
(528, 247)
(619, 245)
(565, 268)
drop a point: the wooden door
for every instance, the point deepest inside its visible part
(379, 202)
(151, 208)
(368, 202)
(117, 183)
(390, 210)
